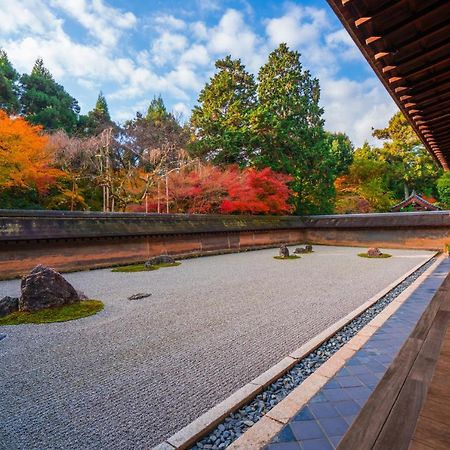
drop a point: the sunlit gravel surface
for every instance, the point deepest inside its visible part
(140, 370)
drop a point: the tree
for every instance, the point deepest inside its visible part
(157, 111)
(25, 160)
(97, 119)
(410, 165)
(46, 103)
(220, 123)
(289, 127)
(258, 192)
(443, 187)
(210, 189)
(342, 151)
(9, 89)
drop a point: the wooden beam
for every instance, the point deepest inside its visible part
(388, 68)
(380, 55)
(395, 79)
(362, 20)
(372, 39)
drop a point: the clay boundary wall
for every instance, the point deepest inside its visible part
(80, 240)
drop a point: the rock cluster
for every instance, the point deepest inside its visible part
(42, 288)
(374, 252)
(306, 249)
(284, 251)
(157, 260)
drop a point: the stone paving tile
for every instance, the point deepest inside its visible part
(322, 422)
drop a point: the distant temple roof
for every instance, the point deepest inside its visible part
(417, 202)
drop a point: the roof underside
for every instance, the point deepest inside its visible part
(407, 43)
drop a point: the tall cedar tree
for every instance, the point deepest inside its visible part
(9, 89)
(97, 119)
(46, 103)
(290, 130)
(221, 122)
(410, 165)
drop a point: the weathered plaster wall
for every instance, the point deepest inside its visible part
(75, 241)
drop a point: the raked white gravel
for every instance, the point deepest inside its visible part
(141, 370)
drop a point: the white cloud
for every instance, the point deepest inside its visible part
(101, 21)
(168, 47)
(182, 109)
(233, 36)
(355, 107)
(299, 26)
(168, 21)
(196, 55)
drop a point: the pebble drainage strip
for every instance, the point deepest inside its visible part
(238, 422)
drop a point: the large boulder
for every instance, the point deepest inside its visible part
(43, 288)
(8, 305)
(157, 260)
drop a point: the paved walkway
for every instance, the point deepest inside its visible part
(322, 422)
(139, 371)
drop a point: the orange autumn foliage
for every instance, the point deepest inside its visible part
(25, 159)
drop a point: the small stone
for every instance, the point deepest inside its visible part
(138, 296)
(249, 423)
(8, 305)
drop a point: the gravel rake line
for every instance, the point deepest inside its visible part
(235, 424)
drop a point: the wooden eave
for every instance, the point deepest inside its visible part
(407, 43)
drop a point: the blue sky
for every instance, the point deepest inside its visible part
(133, 50)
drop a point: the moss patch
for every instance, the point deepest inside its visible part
(289, 257)
(60, 314)
(142, 268)
(383, 255)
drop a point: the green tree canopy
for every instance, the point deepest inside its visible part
(290, 131)
(9, 88)
(410, 165)
(157, 111)
(342, 151)
(97, 119)
(45, 102)
(443, 187)
(221, 121)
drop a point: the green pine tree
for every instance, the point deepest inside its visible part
(220, 124)
(46, 102)
(289, 126)
(97, 119)
(157, 110)
(9, 88)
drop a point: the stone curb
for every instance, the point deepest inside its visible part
(193, 432)
(264, 431)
